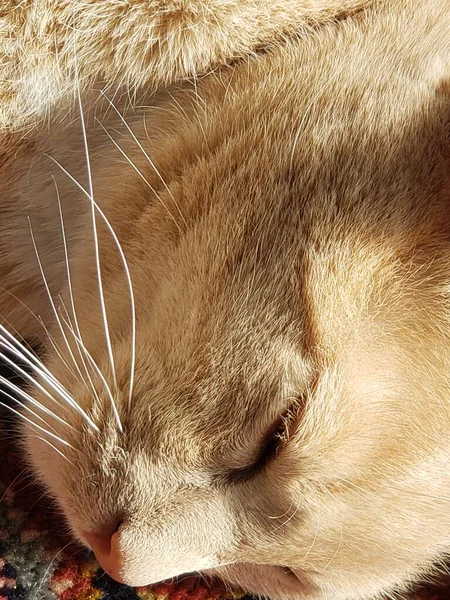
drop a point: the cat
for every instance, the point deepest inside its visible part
(241, 287)
(50, 47)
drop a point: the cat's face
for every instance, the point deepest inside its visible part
(276, 433)
(287, 426)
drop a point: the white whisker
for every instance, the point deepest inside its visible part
(336, 552)
(98, 371)
(55, 449)
(286, 521)
(16, 346)
(50, 565)
(50, 297)
(31, 476)
(23, 405)
(18, 338)
(11, 485)
(131, 293)
(70, 400)
(54, 384)
(139, 172)
(41, 323)
(132, 299)
(95, 234)
(28, 398)
(313, 543)
(21, 352)
(30, 422)
(111, 229)
(69, 285)
(286, 512)
(81, 352)
(146, 156)
(57, 349)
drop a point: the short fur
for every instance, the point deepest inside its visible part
(286, 224)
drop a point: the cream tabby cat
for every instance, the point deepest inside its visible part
(243, 288)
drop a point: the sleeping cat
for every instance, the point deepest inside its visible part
(242, 285)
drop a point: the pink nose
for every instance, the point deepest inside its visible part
(105, 545)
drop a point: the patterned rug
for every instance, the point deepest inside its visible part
(38, 561)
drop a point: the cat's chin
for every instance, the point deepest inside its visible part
(281, 583)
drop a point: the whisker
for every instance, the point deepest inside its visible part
(139, 172)
(99, 373)
(336, 552)
(144, 152)
(286, 512)
(57, 349)
(286, 521)
(32, 423)
(41, 323)
(50, 297)
(109, 226)
(26, 399)
(132, 299)
(69, 325)
(51, 381)
(13, 482)
(131, 293)
(18, 337)
(313, 543)
(55, 449)
(70, 288)
(30, 483)
(70, 400)
(95, 234)
(21, 352)
(18, 369)
(49, 567)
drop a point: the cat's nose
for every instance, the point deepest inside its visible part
(105, 545)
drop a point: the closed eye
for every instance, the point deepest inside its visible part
(276, 437)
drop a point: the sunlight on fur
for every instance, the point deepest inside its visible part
(239, 285)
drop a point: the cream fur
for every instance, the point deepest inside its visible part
(44, 44)
(286, 222)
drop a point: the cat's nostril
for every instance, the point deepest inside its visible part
(100, 541)
(115, 526)
(106, 547)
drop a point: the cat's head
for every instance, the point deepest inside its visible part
(280, 417)
(276, 418)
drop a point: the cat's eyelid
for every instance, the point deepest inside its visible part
(271, 442)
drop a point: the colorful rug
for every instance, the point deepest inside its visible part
(38, 561)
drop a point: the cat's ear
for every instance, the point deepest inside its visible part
(144, 42)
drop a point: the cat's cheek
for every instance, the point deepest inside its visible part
(266, 580)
